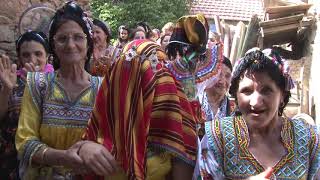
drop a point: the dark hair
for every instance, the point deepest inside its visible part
(39, 37)
(106, 29)
(70, 11)
(227, 62)
(174, 47)
(123, 27)
(163, 36)
(157, 31)
(257, 61)
(134, 31)
(146, 28)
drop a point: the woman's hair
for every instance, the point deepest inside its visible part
(156, 31)
(168, 26)
(146, 28)
(39, 37)
(173, 48)
(106, 29)
(134, 31)
(123, 27)
(162, 37)
(227, 62)
(70, 11)
(258, 61)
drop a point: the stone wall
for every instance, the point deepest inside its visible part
(10, 13)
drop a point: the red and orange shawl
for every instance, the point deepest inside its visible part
(137, 108)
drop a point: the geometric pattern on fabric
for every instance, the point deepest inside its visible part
(239, 163)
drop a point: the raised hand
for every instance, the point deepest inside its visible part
(265, 175)
(28, 67)
(8, 76)
(98, 159)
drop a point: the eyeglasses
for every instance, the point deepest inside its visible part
(62, 39)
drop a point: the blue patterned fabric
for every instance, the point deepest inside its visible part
(228, 141)
(56, 108)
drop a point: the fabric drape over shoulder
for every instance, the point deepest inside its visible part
(139, 108)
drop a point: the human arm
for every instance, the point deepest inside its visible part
(98, 159)
(8, 80)
(32, 151)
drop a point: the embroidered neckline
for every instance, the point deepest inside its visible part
(243, 138)
(69, 101)
(180, 70)
(210, 114)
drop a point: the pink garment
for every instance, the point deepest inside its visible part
(48, 68)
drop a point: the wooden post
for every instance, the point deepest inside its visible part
(251, 37)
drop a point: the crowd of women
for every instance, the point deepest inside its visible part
(156, 105)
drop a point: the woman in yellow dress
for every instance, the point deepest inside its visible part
(56, 106)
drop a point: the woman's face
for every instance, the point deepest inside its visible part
(70, 43)
(123, 34)
(223, 83)
(139, 35)
(155, 36)
(33, 52)
(99, 37)
(165, 41)
(259, 99)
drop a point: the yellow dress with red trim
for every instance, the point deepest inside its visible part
(142, 116)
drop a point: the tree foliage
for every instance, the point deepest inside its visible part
(155, 12)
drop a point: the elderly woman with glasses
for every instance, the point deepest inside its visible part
(56, 106)
(32, 49)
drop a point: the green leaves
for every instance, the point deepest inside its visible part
(155, 12)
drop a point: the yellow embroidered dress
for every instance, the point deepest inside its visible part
(49, 118)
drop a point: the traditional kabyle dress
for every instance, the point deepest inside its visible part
(8, 127)
(49, 118)
(194, 84)
(224, 153)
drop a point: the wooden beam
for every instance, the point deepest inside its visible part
(281, 15)
(251, 36)
(286, 9)
(282, 21)
(278, 29)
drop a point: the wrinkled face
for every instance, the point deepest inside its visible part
(70, 43)
(123, 34)
(165, 41)
(223, 83)
(33, 52)
(99, 37)
(258, 99)
(139, 35)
